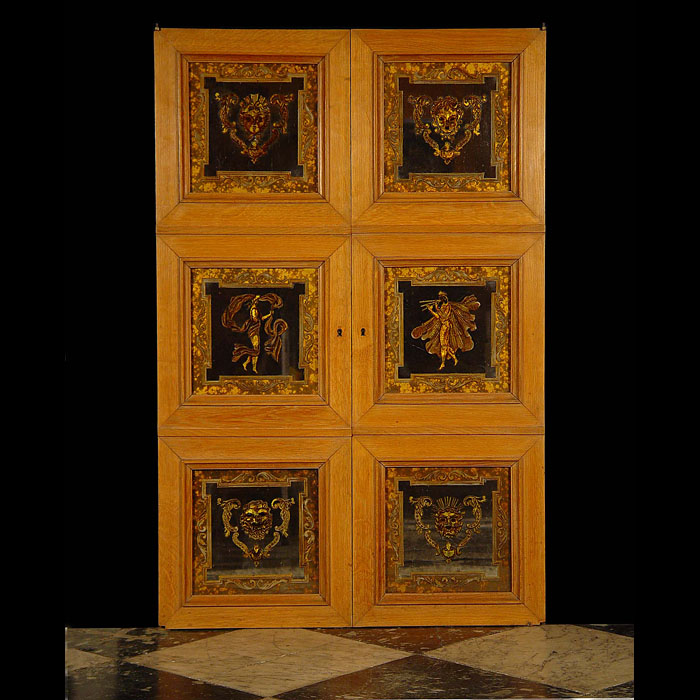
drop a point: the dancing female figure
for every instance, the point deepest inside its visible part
(252, 324)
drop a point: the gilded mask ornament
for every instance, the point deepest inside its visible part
(256, 520)
(447, 331)
(254, 121)
(252, 324)
(449, 517)
(449, 522)
(447, 117)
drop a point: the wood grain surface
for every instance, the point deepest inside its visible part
(351, 230)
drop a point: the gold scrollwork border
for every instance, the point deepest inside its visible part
(446, 72)
(251, 181)
(500, 330)
(442, 582)
(308, 331)
(250, 584)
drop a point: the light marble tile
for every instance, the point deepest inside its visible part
(268, 661)
(77, 659)
(566, 656)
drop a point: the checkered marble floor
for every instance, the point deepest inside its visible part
(549, 661)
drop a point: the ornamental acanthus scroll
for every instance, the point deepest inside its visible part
(447, 120)
(256, 520)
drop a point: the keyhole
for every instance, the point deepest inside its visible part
(340, 332)
(362, 331)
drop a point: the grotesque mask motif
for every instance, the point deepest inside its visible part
(253, 116)
(449, 518)
(447, 116)
(254, 119)
(256, 519)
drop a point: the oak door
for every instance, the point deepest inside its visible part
(350, 238)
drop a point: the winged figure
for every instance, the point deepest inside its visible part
(251, 325)
(447, 330)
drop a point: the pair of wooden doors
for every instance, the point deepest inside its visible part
(350, 235)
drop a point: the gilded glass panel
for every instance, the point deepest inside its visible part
(253, 127)
(255, 331)
(254, 530)
(447, 529)
(447, 329)
(447, 127)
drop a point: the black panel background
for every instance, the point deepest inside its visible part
(227, 557)
(110, 570)
(418, 155)
(282, 155)
(224, 340)
(479, 550)
(417, 360)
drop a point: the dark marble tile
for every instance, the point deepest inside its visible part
(120, 643)
(625, 630)
(411, 639)
(423, 677)
(125, 681)
(624, 690)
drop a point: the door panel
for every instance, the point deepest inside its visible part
(448, 530)
(249, 341)
(247, 140)
(452, 135)
(447, 333)
(248, 524)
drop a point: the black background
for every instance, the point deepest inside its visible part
(110, 494)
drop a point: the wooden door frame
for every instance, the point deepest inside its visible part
(327, 212)
(350, 227)
(182, 414)
(330, 608)
(377, 212)
(526, 603)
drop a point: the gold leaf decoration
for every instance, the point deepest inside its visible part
(446, 72)
(255, 530)
(252, 182)
(456, 532)
(447, 383)
(255, 278)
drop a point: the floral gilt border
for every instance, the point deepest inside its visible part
(446, 582)
(251, 182)
(308, 324)
(446, 72)
(447, 383)
(202, 517)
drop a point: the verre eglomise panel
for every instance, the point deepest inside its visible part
(255, 529)
(255, 331)
(447, 126)
(447, 329)
(253, 127)
(448, 529)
